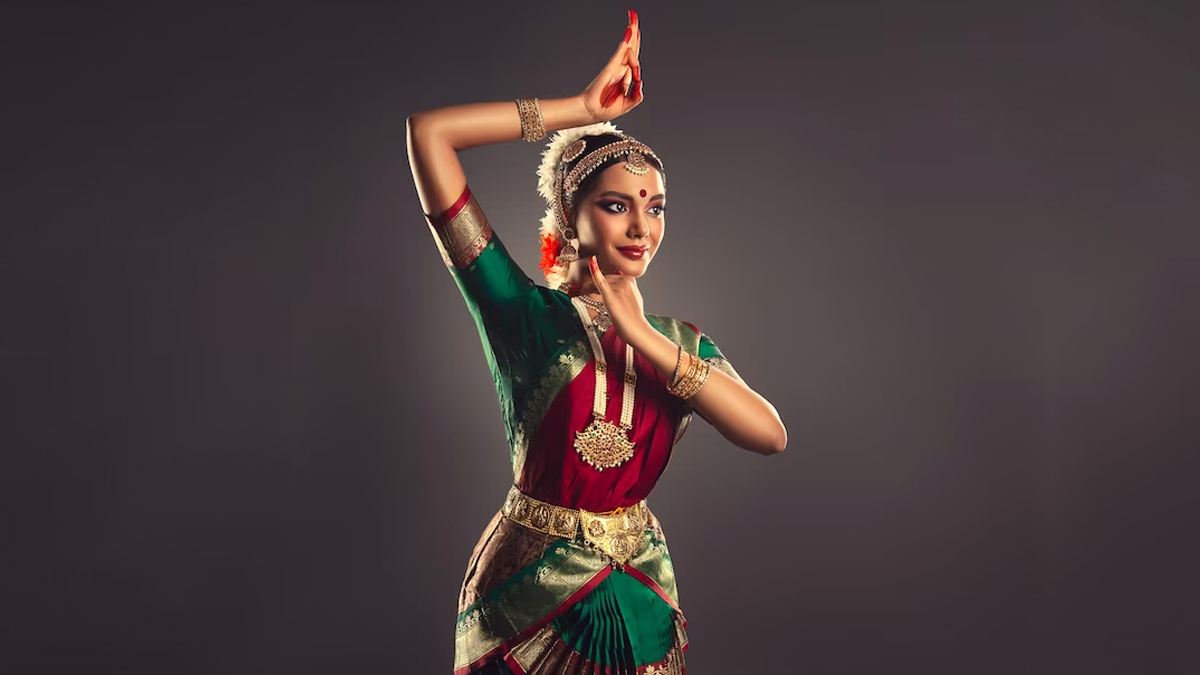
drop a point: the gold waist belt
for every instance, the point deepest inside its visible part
(616, 533)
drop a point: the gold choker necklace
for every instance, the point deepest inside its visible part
(603, 319)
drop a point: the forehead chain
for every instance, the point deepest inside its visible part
(566, 183)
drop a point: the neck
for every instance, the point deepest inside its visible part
(581, 281)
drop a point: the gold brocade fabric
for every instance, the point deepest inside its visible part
(518, 575)
(461, 239)
(546, 652)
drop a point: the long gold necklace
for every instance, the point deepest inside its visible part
(603, 444)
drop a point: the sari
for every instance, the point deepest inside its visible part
(531, 602)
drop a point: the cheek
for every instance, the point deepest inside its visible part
(606, 228)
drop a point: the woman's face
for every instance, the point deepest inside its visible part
(623, 220)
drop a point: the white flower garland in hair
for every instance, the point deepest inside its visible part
(551, 158)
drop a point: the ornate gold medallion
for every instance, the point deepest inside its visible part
(604, 445)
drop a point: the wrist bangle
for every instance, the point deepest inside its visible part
(693, 380)
(681, 387)
(533, 127)
(678, 362)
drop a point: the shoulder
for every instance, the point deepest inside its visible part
(679, 331)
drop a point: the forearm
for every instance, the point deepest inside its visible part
(474, 124)
(738, 412)
(435, 137)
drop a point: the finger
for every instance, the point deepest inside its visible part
(598, 277)
(625, 44)
(636, 40)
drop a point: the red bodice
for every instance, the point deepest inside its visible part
(555, 472)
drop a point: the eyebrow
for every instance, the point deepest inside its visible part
(622, 194)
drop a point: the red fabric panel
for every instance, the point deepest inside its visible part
(556, 473)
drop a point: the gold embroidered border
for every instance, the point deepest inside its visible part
(570, 363)
(723, 365)
(506, 612)
(654, 560)
(546, 652)
(679, 332)
(464, 237)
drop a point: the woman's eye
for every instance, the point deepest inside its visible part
(620, 207)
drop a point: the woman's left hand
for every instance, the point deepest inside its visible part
(624, 302)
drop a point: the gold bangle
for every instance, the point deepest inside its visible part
(533, 126)
(702, 379)
(694, 379)
(679, 388)
(688, 373)
(678, 362)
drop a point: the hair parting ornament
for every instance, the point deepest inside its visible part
(571, 156)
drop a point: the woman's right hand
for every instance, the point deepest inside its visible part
(606, 98)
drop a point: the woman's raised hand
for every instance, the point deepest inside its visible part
(624, 302)
(618, 88)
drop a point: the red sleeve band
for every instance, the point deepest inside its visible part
(447, 215)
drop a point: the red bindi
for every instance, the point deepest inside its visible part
(643, 193)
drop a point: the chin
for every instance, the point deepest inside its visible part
(633, 268)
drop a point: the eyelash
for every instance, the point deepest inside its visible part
(662, 208)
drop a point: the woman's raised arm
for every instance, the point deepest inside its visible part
(435, 136)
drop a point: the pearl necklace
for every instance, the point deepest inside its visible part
(603, 444)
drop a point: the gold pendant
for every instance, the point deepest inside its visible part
(603, 444)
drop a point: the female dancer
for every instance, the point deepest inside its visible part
(573, 575)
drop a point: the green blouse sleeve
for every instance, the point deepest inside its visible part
(709, 351)
(490, 280)
(513, 314)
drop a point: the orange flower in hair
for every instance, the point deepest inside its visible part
(551, 247)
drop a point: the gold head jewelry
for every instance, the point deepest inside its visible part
(571, 156)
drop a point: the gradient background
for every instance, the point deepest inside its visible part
(249, 427)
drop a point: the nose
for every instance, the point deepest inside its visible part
(638, 227)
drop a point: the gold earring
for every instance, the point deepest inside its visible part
(569, 252)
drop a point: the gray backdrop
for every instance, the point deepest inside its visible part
(249, 427)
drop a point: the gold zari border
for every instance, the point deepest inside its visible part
(723, 365)
(570, 362)
(463, 237)
(546, 652)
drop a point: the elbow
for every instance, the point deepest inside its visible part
(777, 444)
(416, 125)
